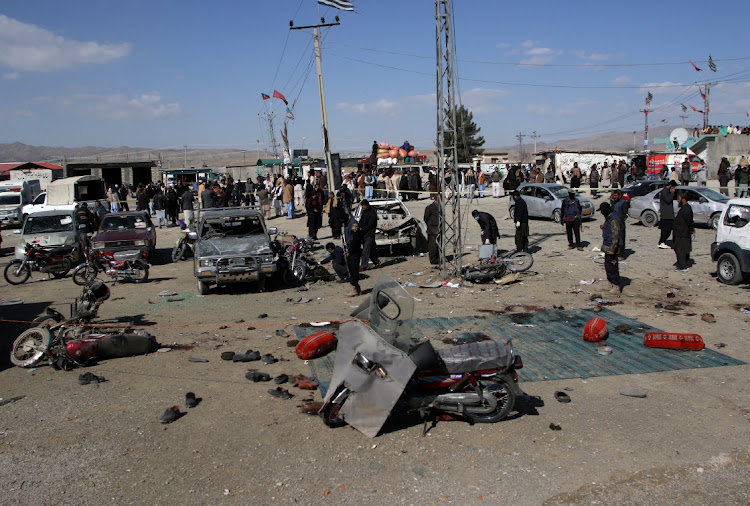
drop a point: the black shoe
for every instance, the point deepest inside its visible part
(191, 400)
(282, 333)
(280, 379)
(269, 359)
(249, 356)
(227, 355)
(281, 393)
(256, 376)
(171, 414)
(87, 377)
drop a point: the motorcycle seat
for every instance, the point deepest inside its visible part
(475, 357)
(61, 250)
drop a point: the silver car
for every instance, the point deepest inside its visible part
(544, 200)
(50, 229)
(396, 225)
(707, 206)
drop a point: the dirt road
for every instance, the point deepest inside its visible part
(684, 443)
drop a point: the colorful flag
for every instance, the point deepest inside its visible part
(684, 107)
(703, 95)
(289, 113)
(276, 94)
(663, 121)
(649, 97)
(696, 110)
(344, 5)
(695, 66)
(711, 63)
(265, 97)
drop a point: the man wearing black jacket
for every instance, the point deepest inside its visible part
(683, 231)
(521, 219)
(666, 213)
(368, 223)
(432, 220)
(488, 225)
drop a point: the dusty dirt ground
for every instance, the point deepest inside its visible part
(687, 442)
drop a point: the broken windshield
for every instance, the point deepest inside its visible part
(233, 226)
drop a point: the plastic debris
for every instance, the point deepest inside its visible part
(167, 293)
(631, 392)
(409, 283)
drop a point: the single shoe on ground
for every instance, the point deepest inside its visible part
(281, 378)
(171, 414)
(282, 333)
(88, 377)
(281, 393)
(304, 383)
(269, 359)
(248, 356)
(256, 376)
(562, 397)
(227, 355)
(191, 400)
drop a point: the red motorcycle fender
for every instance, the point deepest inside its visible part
(82, 350)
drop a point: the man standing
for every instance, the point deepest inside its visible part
(160, 206)
(683, 231)
(521, 219)
(610, 233)
(353, 242)
(368, 223)
(685, 176)
(571, 220)
(620, 208)
(314, 212)
(208, 197)
(496, 183)
(187, 201)
(594, 181)
(369, 184)
(432, 220)
(666, 213)
(288, 199)
(488, 225)
(702, 175)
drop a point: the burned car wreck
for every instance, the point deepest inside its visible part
(397, 227)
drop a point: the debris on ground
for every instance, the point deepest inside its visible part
(508, 278)
(171, 414)
(631, 392)
(708, 318)
(167, 293)
(197, 359)
(3, 402)
(554, 426)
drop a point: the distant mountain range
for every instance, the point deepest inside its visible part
(19, 152)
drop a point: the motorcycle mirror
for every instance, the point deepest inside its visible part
(273, 230)
(192, 236)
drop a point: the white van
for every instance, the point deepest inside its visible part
(64, 194)
(13, 196)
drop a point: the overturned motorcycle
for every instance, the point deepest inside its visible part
(69, 342)
(379, 370)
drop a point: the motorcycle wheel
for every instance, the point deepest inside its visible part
(45, 321)
(15, 273)
(520, 261)
(84, 274)
(23, 354)
(140, 272)
(178, 252)
(62, 270)
(331, 410)
(295, 274)
(505, 396)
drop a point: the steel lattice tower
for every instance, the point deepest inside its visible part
(450, 208)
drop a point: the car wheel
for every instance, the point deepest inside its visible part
(202, 288)
(557, 215)
(728, 269)
(511, 212)
(714, 220)
(649, 218)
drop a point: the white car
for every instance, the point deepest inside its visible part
(707, 205)
(396, 225)
(731, 251)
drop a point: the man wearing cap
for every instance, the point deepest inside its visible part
(683, 231)
(521, 219)
(571, 219)
(666, 213)
(610, 234)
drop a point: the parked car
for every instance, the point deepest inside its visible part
(641, 188)
(396, 225)
(233, 246)
(50, 229)
(126, 231)
(544, 200)
(707, 206)
(731, 251)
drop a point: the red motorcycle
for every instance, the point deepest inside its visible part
(378, 371)
(69, 342)
(129, 265)
(55, 261)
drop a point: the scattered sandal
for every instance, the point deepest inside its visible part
(304, 383)
(281, 378)
(562, 397)
(282, 333)
(191, 400)
(281, 393)
(171, 414)
(256, 376)
(88, 377)
(248, 356)
(227, 355)
(269, 359)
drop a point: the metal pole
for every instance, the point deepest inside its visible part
(323, 115)
(705, 106)
(185, 146)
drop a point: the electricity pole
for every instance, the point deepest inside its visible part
(535, 137)
(185, 146)
(450, 206)
(683, 117)
(705, 105)
(323, 114)
(520, 137)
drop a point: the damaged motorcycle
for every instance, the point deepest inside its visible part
(127, 265)
(72, 342)
(55, 261)
(380, 370)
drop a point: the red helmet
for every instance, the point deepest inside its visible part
(595, 330)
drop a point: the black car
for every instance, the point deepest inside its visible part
(641, 188)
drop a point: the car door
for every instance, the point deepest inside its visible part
(532, 203)
(699, 203)
(547, 203)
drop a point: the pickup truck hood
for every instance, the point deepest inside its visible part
(234, 246)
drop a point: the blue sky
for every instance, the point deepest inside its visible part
(167, 74)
